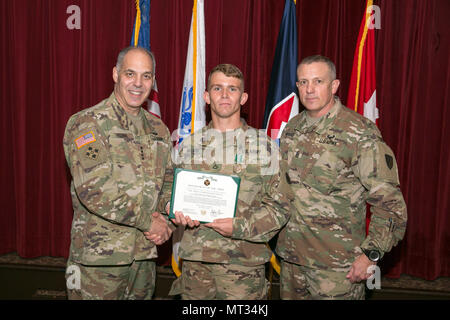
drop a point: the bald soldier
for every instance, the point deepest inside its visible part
(119, 158)
(335, 161)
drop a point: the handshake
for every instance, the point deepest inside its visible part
(160, 231)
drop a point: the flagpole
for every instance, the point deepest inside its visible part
(192, 106)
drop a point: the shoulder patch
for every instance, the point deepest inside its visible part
(389, 160)
(85, 139)
(386, 164)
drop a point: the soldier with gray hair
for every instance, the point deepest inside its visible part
(335, 161)
(119, 156)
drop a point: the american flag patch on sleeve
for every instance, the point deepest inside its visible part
(85, 139)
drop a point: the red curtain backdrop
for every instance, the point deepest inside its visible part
(413, 87)
(50, 72)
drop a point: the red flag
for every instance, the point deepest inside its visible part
(362, 90)
(153, 102)
(362, 93)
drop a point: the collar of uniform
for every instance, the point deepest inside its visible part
(243, 126)
(118, 113)
(125, 122)
(322, 125)
(207, 140)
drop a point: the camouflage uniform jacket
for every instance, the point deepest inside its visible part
(262, 207)
(333, 168)
(118, 182)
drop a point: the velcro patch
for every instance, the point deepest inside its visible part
(92, 153)
(386, 164)
(85, 139)
(389, 160)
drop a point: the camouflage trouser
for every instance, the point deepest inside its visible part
(128, 282)
(208, 281)
(303, 283)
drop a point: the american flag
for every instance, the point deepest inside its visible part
(85, 139)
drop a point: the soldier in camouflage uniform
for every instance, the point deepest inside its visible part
(226, 259)
(119, 156)
(335, 161)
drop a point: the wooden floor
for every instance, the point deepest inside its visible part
(37, 279)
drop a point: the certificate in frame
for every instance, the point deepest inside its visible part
(204, 196)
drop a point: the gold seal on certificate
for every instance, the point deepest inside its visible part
(204, 196)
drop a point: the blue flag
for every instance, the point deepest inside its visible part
(141, 38)
(141, 29)
(282, 102)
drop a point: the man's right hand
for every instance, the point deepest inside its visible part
(159, 231)
(183, 220)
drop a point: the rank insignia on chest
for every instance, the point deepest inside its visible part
(329, 139)
(239, 158)
(237, 168)
(85, 139)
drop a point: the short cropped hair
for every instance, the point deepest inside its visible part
(124, 51)
(319, 58)
(230, 70)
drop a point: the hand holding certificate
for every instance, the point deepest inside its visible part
(204, 196)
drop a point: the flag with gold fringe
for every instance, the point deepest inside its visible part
(141, 38)
(362, 96)
(282, 102)
(192, 106)
(362, 89)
